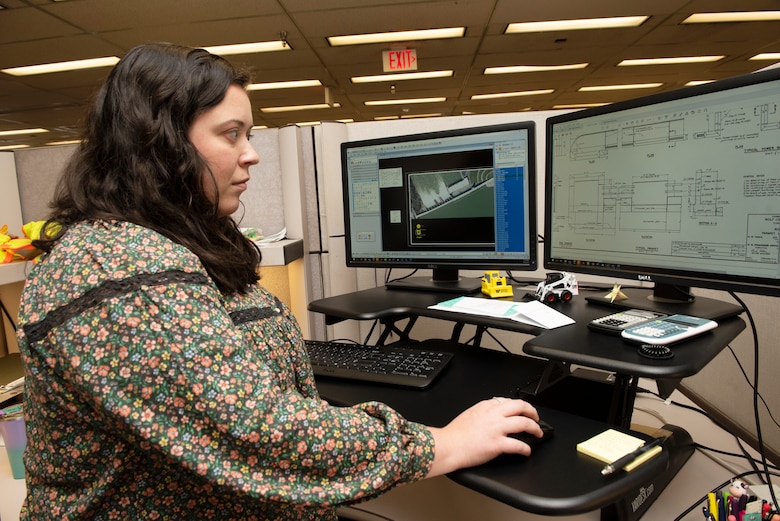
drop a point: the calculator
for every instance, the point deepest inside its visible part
(615, 323)
(668, 330)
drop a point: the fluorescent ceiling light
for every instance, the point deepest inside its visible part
(579, 105)
(403, 101)
(402, 76)
(413, 116)
(767, 56)
(22, 131)
(292, 108)
(595, 88)
(74, 65)
(66, 142)
(12, 147)
(533, 68)
(737, 16)
(249, 48)
(259, 127)
(397, 36)
(693, 83)
(575, 25)
(670, 61)
(284, 85)
(512, 94)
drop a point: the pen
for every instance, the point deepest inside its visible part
(628, 458)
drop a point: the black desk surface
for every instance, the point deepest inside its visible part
(574, 344)
(554, 480)
(533, 484)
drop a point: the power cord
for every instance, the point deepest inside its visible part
(755, 387)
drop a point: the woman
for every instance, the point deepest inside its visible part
(162, 380)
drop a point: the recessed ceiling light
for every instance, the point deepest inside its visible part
(767, 56)
(12, 147)
(249, 48)
(579, 105)
(533, 68)
(413, 116)
(402, 76)
(66, 142)
(22, 131)
(397, 36)
(575, 25)
(74, 65)
(512, 94)
(403, 101)
(284, 85)
(595, 88)
(670, 61)
(736, 16)
(292, 108)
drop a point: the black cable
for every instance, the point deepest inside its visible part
(744, 455)
(387, 276)
(747, 380)
(747, 457)
(755, 386)
(371, 331)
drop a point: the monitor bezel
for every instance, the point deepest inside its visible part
(454, 263)
(691, 278)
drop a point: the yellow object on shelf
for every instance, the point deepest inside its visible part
(495, 286)
(20, 249)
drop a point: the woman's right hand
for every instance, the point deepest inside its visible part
(480, 433)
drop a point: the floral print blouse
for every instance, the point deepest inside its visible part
(150, 395)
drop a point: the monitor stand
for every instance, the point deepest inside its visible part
(441, 281)
(661, 300)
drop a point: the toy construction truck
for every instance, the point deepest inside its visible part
(495, 286)
(557, 286)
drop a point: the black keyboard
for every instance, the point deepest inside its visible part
(404, 366)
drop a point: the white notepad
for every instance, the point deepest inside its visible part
(533, 312)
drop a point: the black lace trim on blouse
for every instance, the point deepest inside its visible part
(243, 316)
(38, 330)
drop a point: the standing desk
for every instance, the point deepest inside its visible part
(555, 480)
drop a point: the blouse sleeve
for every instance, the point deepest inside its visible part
(172, 373)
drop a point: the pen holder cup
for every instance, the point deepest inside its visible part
(15, 438)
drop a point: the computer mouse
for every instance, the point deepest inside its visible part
(530, 439)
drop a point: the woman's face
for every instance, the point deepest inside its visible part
(221, 135)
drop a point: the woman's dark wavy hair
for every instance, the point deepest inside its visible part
(136, 163)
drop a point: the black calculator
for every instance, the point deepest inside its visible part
(615, 323)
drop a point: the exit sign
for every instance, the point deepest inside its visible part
(399, 60)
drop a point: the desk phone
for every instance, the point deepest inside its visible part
(668, 330)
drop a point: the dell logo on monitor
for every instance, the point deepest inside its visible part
(646, 278)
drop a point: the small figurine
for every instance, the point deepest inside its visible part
(557, 286)
(494, 286)
(615, 294)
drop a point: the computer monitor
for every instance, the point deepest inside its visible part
(445, 201)
(681, 189)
